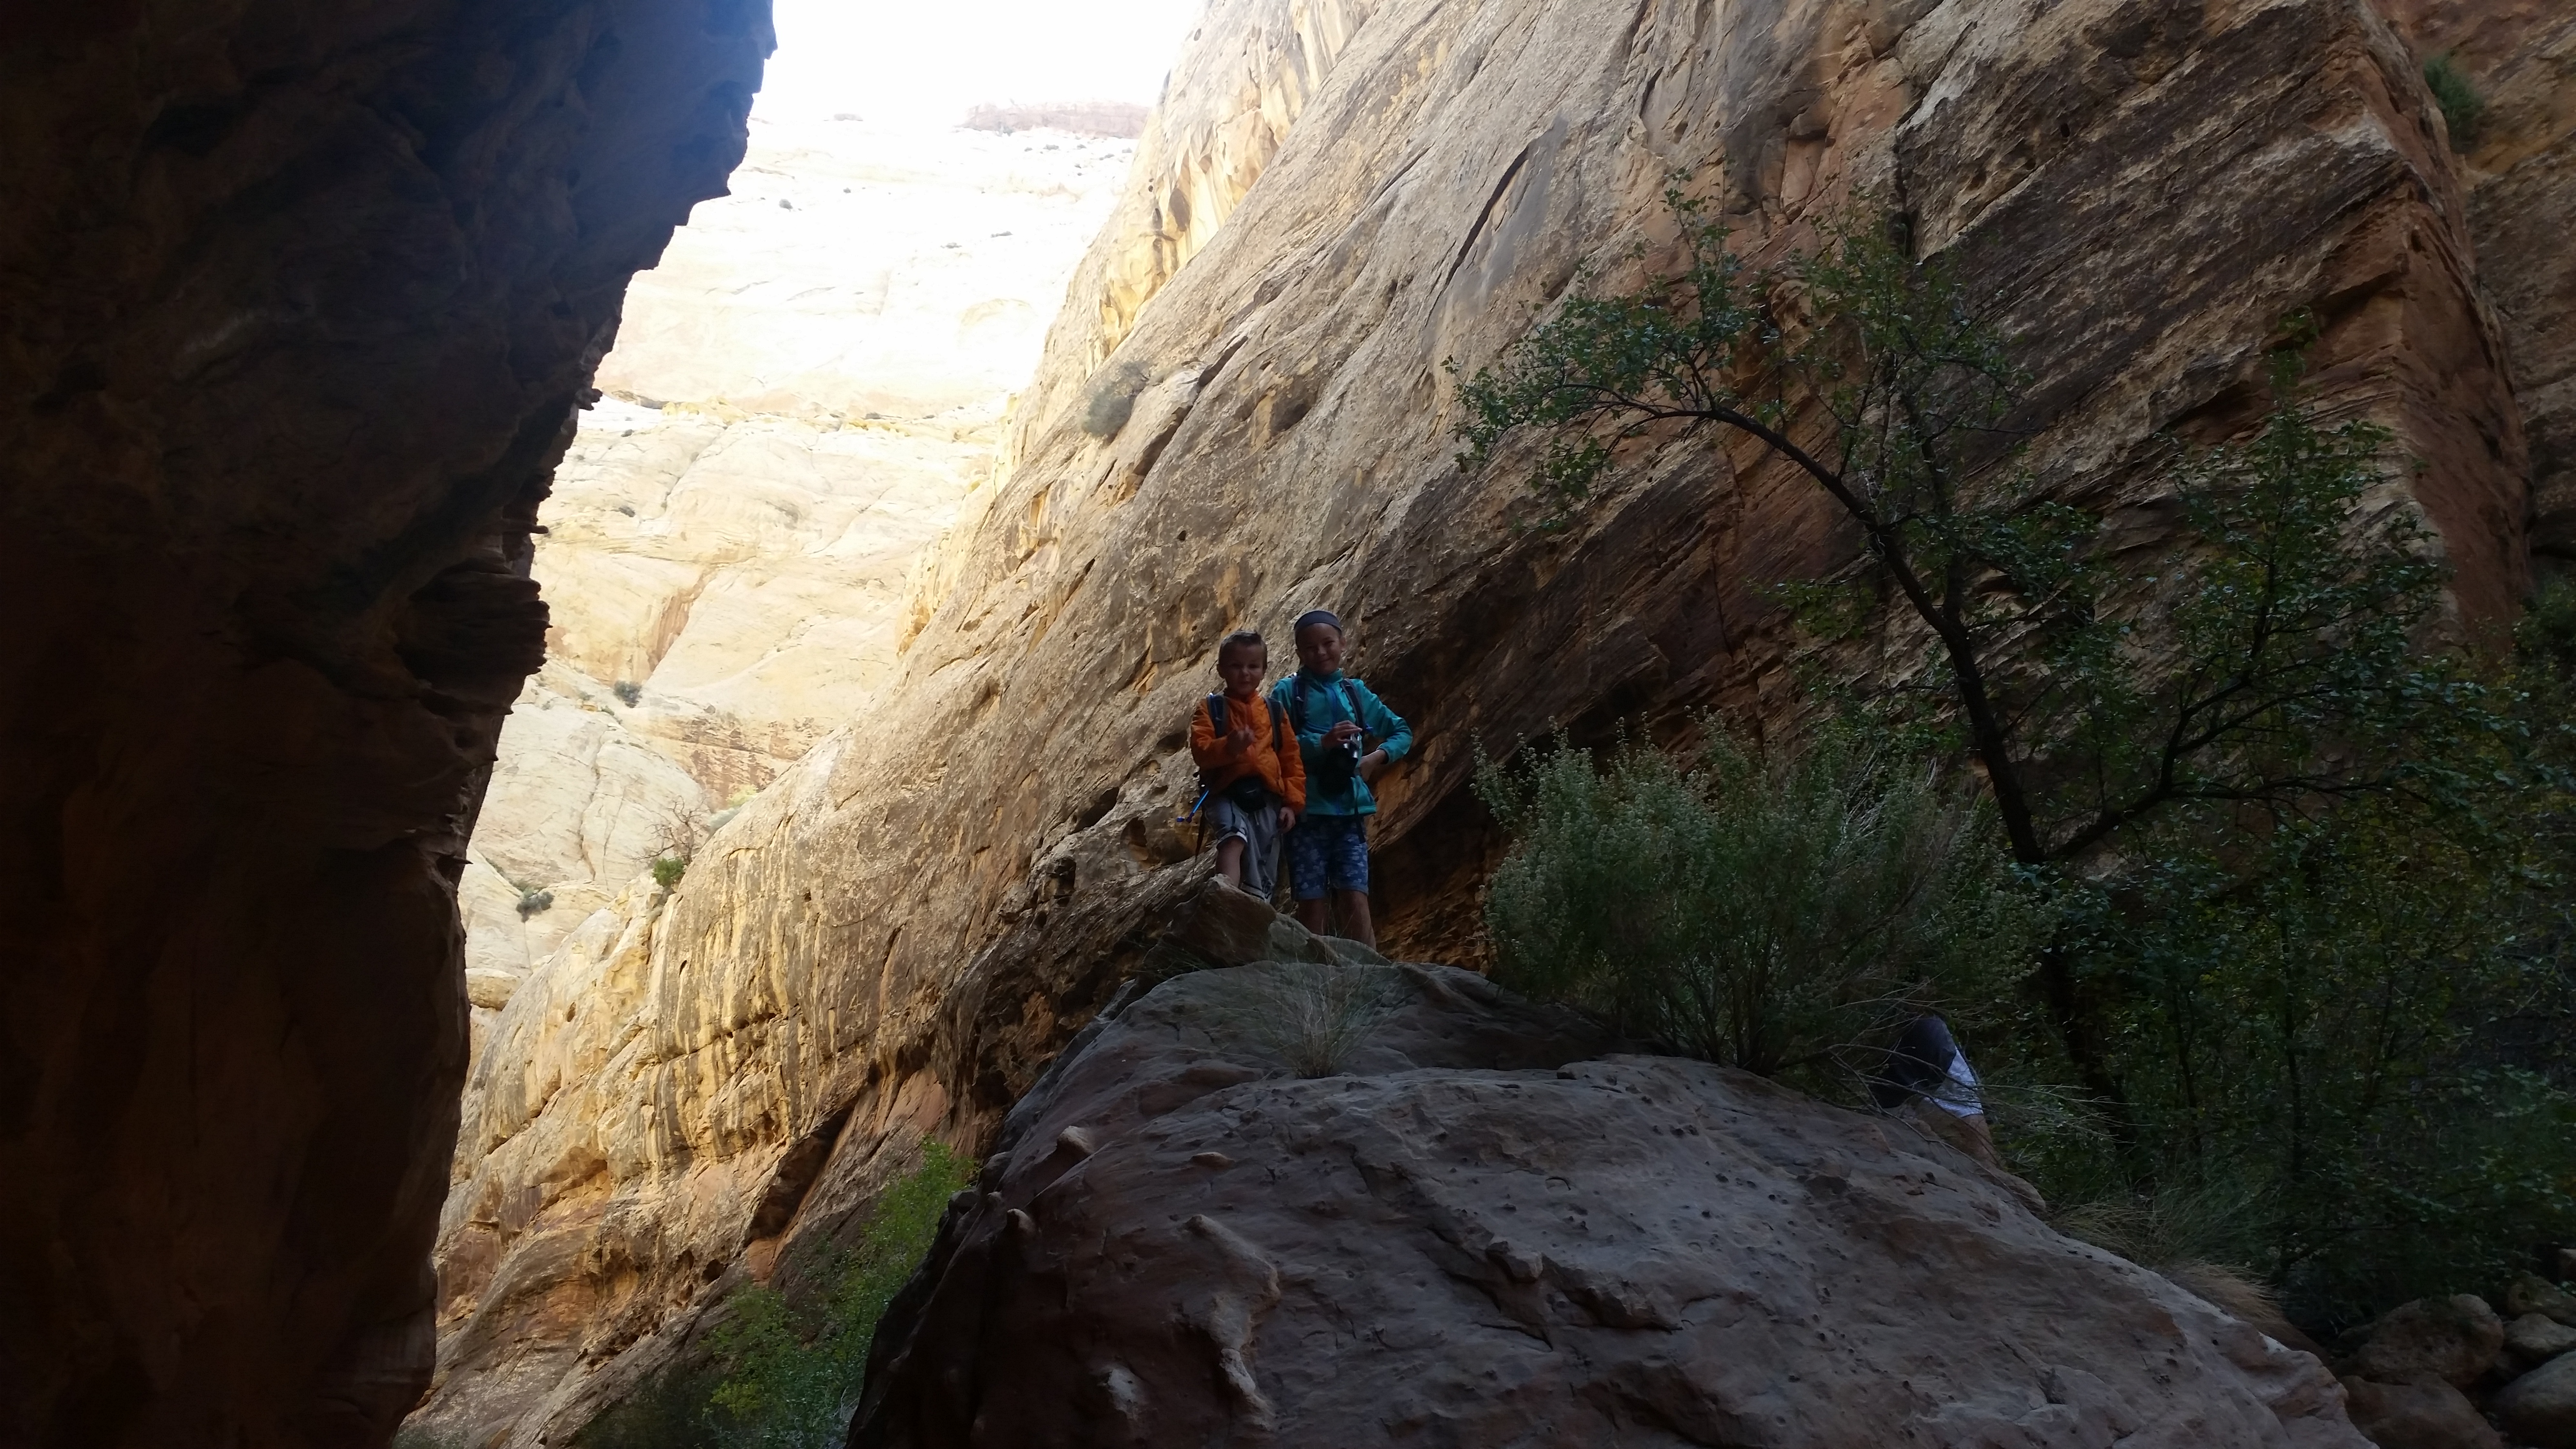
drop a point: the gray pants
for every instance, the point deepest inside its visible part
(1259, 832)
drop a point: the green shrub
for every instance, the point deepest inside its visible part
(668, 870)
(1757, 912)
(2457, 95)
(627, 692)
(786, 1372)
(793, 1373)
(668, 1411)
(535, 902)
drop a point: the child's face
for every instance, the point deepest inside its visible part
(1242, 668)
(1319, 648)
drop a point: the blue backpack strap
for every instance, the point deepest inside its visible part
(1216, 714)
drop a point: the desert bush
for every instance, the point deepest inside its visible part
(1761, 910)
(1313, 1016)
(535, 902)
(668, 869)
(1112, 399)
(627, 692)
(2457, 95)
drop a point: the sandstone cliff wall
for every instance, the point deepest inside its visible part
(297, 303)
(897, 935)
(2520, 173)
(808, 384)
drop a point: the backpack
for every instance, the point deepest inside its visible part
(1249, 792)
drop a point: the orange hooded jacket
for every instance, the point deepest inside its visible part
(1281, 767)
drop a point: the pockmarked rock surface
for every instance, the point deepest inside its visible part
(297, 304)
(1481, 1234)
(1244, 412)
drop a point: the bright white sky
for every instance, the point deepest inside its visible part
(928, 60)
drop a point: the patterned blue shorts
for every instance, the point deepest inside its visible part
(1328, 850)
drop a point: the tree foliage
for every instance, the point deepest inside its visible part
(2303, 969)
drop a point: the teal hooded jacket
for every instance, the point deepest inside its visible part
(1330, 699)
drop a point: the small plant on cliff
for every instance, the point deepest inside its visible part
(535, 901)
(1111, 398)
(2462, 107)
(627, 692)
(1760, 911)
(668, 869)
(793, 1372)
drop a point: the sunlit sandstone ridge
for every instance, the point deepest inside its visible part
(907, 925)
(801, 393)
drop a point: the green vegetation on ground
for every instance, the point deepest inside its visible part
(785, 1371)
(2296, 992)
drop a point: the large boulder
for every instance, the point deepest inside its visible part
(2536, 1338)
(1479, 1233)
(2451, 1340)
(2539, 1408)
(2530, 1293)
(2426, 1415)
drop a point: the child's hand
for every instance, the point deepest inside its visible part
(1334, 737)
(1371, 764)
(1241, 736)
(1287, 819)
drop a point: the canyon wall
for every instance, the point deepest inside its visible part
(803, 391)
(897, 935)
(297, 303)
(2520, 175)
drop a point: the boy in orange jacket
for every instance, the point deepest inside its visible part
(1251, 773)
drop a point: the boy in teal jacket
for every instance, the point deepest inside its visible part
(1346, 735)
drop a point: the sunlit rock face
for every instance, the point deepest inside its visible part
(802, 393)
(297, 305)
(801, 396)
(908, 923)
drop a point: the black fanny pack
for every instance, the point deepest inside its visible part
(1248, 793)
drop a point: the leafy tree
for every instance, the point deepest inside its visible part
(2090, 702)
(2307, 879)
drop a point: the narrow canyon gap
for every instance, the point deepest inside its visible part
(300, 301)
